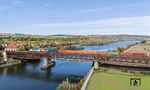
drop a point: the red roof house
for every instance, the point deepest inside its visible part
(11, 48)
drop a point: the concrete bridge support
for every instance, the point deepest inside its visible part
(45, 62)
(96, 65)
(5, 56)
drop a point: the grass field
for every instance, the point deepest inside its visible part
(118, 79)
(139, 48)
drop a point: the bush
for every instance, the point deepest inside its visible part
(71, 47)
(67, 85)
(143, 41)
(1, 58)
(1, 47)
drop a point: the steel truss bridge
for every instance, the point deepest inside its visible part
(120, 60)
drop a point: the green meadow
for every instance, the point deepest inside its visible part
(118, 79)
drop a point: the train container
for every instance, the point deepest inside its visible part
(113, 53)
(77, 51)
(67, 51)
(93, 52)
(126, 54)
(138, 54)
(102, 53)
(42, 50)
(53, 50)
(34, 50)
(86, 52)
(72, 51)
(133, 54)
(46, 50)
(61, 51)
(80, 52)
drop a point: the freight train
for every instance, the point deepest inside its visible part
(94, 52)
(103, 53)
(134, 54)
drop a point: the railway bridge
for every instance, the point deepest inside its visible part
(119, 60)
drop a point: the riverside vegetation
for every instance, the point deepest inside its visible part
(67, 85)
(71, 42)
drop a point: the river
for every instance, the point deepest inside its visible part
(29, 76)
(110, 46)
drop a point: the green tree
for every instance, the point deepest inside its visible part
(143, 41)
(21, 48)
(27, 47)
(1, 47)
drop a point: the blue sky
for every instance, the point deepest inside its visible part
(75, 17)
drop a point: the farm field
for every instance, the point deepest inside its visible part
(118, 79)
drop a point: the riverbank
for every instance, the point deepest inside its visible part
(139, 48)
(106, 43)
(12, 63)
(118, 79)
(87, 78)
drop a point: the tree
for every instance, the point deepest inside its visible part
(67, 85)
(143, 41)
(1, 41)
(27, 47)
(1, 47)
(21, 48)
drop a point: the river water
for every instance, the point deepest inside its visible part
(29, 76)
(110, 46)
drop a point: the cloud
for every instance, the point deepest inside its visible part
(127, 25)
(142, 20)
(92, 10)
(88, 10)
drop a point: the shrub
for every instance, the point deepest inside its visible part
(67, 85)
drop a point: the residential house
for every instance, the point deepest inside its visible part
(11, 48)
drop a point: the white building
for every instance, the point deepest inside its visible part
(11, 48)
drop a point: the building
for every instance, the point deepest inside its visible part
(11, 48)
(34, 50)
(4, 45)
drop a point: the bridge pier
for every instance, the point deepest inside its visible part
(45, 63)
(5, 56)
(96, 65)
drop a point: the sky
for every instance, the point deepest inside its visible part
(76, 17)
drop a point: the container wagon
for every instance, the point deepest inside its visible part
(133, 54)
(138, 54)
(102, 53)
(126, 54)
(113, 53)
(77, 51)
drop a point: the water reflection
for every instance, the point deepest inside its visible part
(29, 76)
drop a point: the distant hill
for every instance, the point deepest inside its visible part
(123, 36)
